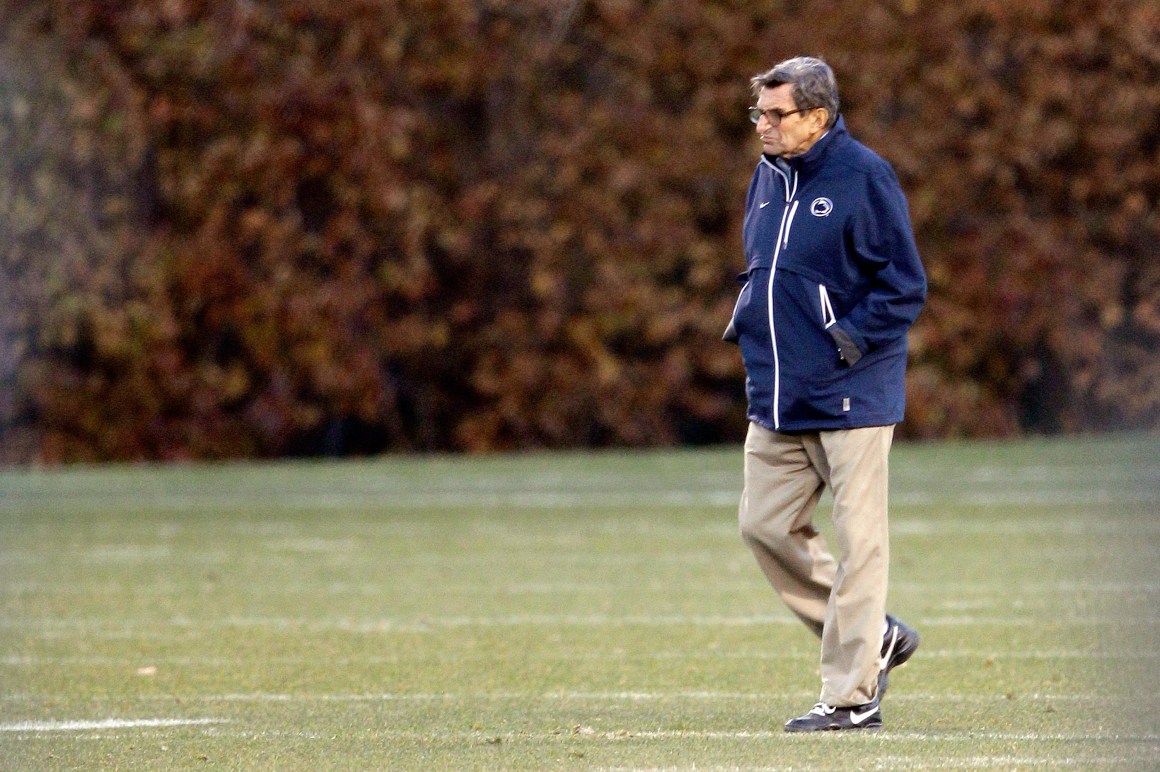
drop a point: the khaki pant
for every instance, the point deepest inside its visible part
(843, 601)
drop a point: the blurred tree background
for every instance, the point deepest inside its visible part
(258, 228)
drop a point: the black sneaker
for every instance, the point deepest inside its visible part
(823, 718)
(898, 645)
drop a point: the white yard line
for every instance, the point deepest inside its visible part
(1084, 757)
(108, 723)
(564, 655)
(710, 734)
(1082, 761)
(574, 696)
(95, 626)
(1134, 489)
(588, 733)
(982, 594)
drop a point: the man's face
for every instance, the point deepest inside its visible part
(796, 133)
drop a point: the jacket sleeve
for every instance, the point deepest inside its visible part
(882, 243)
(730, 335)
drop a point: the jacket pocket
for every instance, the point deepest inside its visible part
(828, 318)
(731, 335)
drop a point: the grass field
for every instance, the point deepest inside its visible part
(564, 611)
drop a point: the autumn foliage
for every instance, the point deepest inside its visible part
(283, 227)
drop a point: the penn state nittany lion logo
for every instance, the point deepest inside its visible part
(821, 207)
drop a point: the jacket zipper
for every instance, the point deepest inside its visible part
(787, 215)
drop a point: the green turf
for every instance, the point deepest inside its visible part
(564, 611)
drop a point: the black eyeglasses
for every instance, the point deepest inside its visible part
(773, 116)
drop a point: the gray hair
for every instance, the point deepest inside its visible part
(813, 82)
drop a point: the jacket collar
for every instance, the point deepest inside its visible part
(812, 158)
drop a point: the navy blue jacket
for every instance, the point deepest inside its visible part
(833, 282)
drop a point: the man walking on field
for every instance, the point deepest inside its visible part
(833, 283)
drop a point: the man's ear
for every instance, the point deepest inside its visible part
(825, 117)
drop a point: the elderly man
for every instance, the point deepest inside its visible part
(833, 282)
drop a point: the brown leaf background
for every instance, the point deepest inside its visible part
(257, 229)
